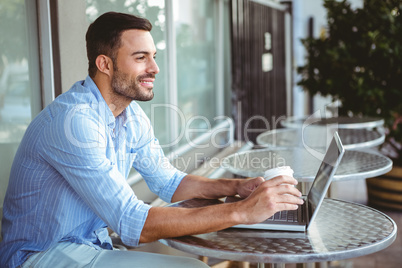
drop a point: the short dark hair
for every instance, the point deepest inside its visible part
(103, 35)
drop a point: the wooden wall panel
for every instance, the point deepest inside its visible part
(259, 97)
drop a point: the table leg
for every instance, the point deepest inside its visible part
(278, 265)
(322, 265)
(273, 265)
(305, 265)
(204, 259)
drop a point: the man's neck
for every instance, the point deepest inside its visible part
(116, 102)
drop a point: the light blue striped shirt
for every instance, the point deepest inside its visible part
(68, 179)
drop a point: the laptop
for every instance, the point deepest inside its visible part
(301, 219)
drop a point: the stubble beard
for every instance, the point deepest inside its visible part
(128, 87)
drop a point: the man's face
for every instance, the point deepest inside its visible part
(135, 68)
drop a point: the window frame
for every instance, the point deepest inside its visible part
(46, 52)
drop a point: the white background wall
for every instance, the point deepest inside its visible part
(72, 29)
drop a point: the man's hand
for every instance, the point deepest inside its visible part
(247, 186)
(268, 198)
(264, 198)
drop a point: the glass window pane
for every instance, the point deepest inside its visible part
(195, 26)
(19, 79)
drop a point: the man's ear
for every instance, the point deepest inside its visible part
(104, 64)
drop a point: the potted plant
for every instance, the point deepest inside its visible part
(358, 61)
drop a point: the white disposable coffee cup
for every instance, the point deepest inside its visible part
(278, 171)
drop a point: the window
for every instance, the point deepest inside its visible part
(196, 65)
(190, 86)
(20, 98)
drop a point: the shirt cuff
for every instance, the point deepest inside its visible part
(168, 191)
(133, 223)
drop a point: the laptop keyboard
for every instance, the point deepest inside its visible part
(285, 216)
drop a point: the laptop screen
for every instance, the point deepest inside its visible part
(324, 175)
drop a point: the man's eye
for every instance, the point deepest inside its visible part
(141, 58)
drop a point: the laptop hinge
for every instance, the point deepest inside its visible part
(307, 211)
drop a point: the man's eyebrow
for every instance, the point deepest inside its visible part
(142, 52)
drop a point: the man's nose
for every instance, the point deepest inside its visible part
(153, 67)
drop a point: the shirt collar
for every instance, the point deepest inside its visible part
(103, 108)
(124, 117)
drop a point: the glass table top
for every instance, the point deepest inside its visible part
(318, 137)
(341, 230)
(355, 164)
(339, 122)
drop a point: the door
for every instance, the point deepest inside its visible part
(258, 67)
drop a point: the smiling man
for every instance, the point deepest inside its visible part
(68, 179)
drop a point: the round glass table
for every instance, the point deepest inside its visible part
(319, 138)
(355, 164)
(339, 122)
(342, 230)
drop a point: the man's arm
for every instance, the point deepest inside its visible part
(268, 198)
(193, 186)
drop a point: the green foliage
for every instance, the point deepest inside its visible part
(12, 21)
(359, 60)
(141, 8)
